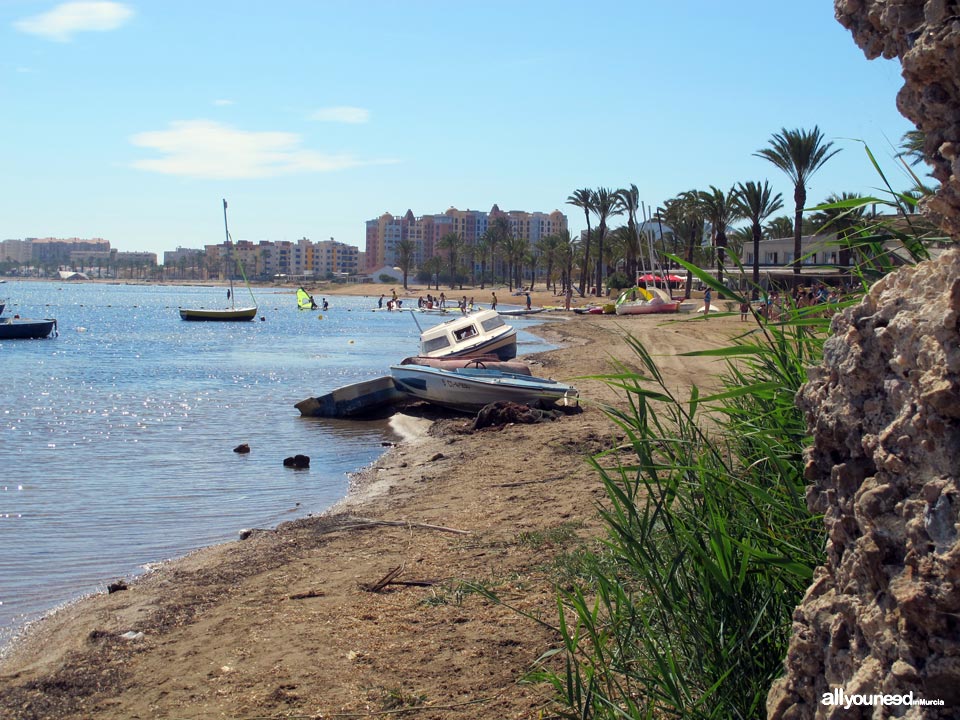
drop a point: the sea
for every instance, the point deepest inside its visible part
(117, 436)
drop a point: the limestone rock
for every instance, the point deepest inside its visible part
(925, 36)
(883, 615)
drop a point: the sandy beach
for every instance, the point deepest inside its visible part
(289, 622)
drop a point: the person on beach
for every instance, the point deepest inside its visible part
(528, 299)
(493, 303)
(744, 309)
(380, 302)
(443, 301)
(707, 297)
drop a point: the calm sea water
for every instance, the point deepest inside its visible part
(117, 437)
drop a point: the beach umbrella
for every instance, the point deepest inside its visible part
(675, 278)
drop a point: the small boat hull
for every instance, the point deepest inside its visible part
(469, 390)
(647, 308)
(23, 329)
(225, 315)
(356, 400)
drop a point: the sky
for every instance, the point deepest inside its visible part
(130, 121)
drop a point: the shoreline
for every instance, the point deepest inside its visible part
(279, 621)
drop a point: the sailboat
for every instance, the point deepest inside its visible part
(305, 300)
(232, 313)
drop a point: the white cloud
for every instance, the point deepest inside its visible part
(207, 149)
(68, 18)
(342, 114)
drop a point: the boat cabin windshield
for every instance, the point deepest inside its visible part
(437, 343)
(464, 333)
(492, 323)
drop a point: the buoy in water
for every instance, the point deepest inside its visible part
(319, 317)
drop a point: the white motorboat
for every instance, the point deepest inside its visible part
(480, 333)
(470, 389)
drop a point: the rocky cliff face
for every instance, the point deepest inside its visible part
(925, 36)
(883, 614)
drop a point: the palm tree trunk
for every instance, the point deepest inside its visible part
(756, 260)
(800, 197)
(586, 260)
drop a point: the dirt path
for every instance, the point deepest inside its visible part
(280, 625)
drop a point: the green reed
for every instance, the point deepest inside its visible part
(709, 547)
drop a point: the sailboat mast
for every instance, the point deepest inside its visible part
(226, 230)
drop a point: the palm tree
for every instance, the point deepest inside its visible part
(583, 199)
(799, 154)
(720, 210)
(912, 146)
(566, 251)
(451, 242)
(483, 250)
(499, 234)
(548, 247)
(780, 227)
(405, 250)
(756, 203)
(685, 215)
(515, 251)
(604, 205)
(841, 221)
(628, 201)
(432, 267)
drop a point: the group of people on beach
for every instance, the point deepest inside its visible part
(438, 302)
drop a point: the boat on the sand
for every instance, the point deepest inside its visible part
(643, 301)
(470, 389)
(480, 333)
(484, 362)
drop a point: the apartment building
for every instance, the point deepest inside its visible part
(384, 233)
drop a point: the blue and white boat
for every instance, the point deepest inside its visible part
(470, 389)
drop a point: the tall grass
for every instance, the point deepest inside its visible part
(710, 545)
(686, 612)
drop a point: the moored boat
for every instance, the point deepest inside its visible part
(470, 389)
(480, 333)
(25, 329)
(232, 313)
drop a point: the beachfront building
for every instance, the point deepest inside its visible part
(384, 233)
(48, 255)
(285, 258)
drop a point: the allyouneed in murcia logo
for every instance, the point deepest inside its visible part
(839, 697)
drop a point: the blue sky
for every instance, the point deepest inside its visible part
(131, 120)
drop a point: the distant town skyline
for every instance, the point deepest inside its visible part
(131, 120)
